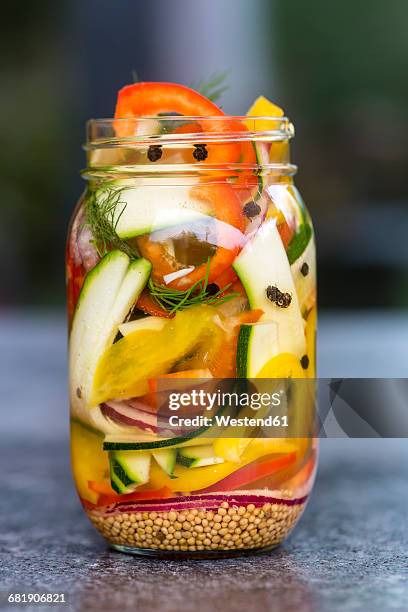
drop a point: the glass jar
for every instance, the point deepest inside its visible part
(190, 256)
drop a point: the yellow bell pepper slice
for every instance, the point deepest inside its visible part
(231, 449)
(89, 462)
(262, 107)
(126, 366)
(284, 365)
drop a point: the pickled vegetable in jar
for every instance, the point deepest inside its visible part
(190, 256)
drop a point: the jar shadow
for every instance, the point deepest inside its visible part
(270, 581)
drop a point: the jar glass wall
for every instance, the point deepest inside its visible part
(190, 257)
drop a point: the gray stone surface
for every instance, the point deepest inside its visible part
(349, 552)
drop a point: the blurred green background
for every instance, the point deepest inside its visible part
(338, 68)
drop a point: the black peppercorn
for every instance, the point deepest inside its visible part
(304, 362)
(251, 209)
(212, 289)
(154, 152)
(305, 269)
(283, 300)
(200, 152)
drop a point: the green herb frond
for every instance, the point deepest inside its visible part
(214, 86)
(103, 210)
(175, 299)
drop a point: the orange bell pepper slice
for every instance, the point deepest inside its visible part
(286, 233)
(222, 363)
(148, 305)
(199, 373)
(103, 488)
(227, 209)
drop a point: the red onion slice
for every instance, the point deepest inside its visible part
(209, 502)
(126, 415)
(81, 244)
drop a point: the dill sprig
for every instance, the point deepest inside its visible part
(175, 299)
(102, 214)
(214, 87)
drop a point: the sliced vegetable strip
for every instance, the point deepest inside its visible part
(222, 360)
(155, 384)
(251, 473)
(152, 99)
(209, 501)
(109, 497)
(151, 307)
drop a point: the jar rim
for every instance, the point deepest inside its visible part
(160, 129)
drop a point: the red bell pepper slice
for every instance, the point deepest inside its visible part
(75, 280)
(188, 128)
(228, 277)
(251, 473)
(152, 99)
(238, 287)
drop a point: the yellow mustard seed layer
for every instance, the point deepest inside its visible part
(225, 528)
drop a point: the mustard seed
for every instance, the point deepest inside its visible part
(230, 527)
